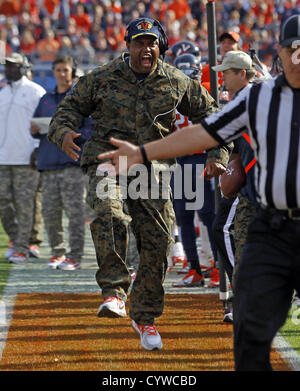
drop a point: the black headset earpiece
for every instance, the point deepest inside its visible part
(25, 66)
(74, 68)
(163, 39)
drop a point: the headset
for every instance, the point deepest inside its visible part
(163, 47)
(66, 60)
(25, 66)
(163, 39)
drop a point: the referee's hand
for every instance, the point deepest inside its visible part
(69, 147)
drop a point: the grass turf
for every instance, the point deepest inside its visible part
(291, 329)
(60, 332)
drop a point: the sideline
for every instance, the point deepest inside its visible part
(36, 277)
(287, 352)
(6, 312)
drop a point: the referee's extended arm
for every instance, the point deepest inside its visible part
(177, 144)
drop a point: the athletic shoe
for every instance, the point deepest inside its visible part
(18, 258)
(191, 279)
(215, 281)
(34, 251)
(177, 254)
(150, 338)
(206, 260)
(170, 265)
(228, 317)
(185, 268)
(113, 307)
(55, 261)
(133, 276)
(208, 273)
(69, 264)
(10, 250)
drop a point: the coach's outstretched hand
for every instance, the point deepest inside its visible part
(69, 147)
(125, 149)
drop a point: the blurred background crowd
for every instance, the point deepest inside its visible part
(92, 31)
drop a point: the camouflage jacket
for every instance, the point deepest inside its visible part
(123, 107)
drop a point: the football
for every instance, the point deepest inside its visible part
(233, 178)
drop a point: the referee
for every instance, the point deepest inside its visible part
(270, 268)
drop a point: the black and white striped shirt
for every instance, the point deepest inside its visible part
(271, 113)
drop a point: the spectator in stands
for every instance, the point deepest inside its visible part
(158, 9)
(47, 47)
(44, 27)
(180, 7)
(85, 53)
(82, 18)
(28, 44)
(66, 47)
(24, 22)
(12, 33)
(4, 45)
(73, 32)
(98, 15)
(10, 7)
(51, 8)
(100, 41)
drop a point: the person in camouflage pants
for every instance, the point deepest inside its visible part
(24, 186)
(63, 181)
(245, 214)
(133, 98)
(69, 199)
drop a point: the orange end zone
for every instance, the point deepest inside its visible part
(61, 332)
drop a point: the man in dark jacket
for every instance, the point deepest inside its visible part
(62, 177)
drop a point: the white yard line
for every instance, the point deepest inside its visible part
(6, 311)
(287, 352)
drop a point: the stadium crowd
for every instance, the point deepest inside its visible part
(92, 31)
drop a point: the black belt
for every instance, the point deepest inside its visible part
(292, 213)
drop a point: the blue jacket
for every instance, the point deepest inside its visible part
(50, 157)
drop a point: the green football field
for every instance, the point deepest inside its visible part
(290, 331)
(4, 265)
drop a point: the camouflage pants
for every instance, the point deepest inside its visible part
(63, 192)
(10, 224)
(151, 224)
(36, 236)
(245, 213)
(18, 185)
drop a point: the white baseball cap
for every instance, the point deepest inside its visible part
(234, 59)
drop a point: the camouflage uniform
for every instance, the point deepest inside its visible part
(63, 191)
(125, 108)
(10, 224)
(36, 236)
(17, 178)
(245, 213)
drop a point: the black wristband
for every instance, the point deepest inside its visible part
(143, 152)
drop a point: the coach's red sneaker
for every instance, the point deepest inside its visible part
(150, 338)
(112, 307)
